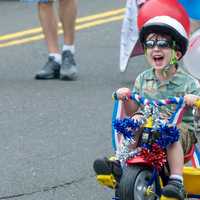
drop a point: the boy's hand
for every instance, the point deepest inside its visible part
(123, 93)
(191, 100)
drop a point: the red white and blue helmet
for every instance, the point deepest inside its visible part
(165, 17)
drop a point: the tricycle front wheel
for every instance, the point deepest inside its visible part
(133, 184)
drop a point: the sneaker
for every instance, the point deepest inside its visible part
(68, 69)
(174, 189)
(49, 71)
(105, 167)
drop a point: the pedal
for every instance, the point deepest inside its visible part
(107, 180)
(149, 192)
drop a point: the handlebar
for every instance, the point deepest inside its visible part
(159, 102)
(175, 117)
(144, 101)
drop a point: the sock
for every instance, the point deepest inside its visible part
(57, 57)
(177, 177)
(69, 47)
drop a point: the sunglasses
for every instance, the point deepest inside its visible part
(159, 43)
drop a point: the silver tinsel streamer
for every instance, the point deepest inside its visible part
(125, 153)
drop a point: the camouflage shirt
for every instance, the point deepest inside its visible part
(181, 83)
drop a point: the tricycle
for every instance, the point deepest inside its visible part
(145, 169)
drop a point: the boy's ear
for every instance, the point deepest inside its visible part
(178, 55)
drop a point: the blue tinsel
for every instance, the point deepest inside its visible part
(167, 134)
(126, 127)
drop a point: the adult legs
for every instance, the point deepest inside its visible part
(49, 25)
(67, 14)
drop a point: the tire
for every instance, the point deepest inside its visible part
(132, 185)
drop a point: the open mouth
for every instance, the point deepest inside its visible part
(158, 59)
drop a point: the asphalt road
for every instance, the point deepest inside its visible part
(51, 131)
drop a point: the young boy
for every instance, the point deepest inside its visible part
(164, 39)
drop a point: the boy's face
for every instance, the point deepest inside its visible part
(159, 50)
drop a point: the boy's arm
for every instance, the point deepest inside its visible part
(130, 107)
(191, 99)
(193, 94)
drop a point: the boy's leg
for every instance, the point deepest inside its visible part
(49, 25)
(67, 13)
(175, 157)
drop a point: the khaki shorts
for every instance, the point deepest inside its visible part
(187, 138)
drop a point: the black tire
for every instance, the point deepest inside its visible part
(133, 183)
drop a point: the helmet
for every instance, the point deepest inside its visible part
(165, 17)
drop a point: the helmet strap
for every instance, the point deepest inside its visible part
(145, 51)
(173, 60)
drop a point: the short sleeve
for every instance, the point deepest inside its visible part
(194, 87)
(137, 85)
